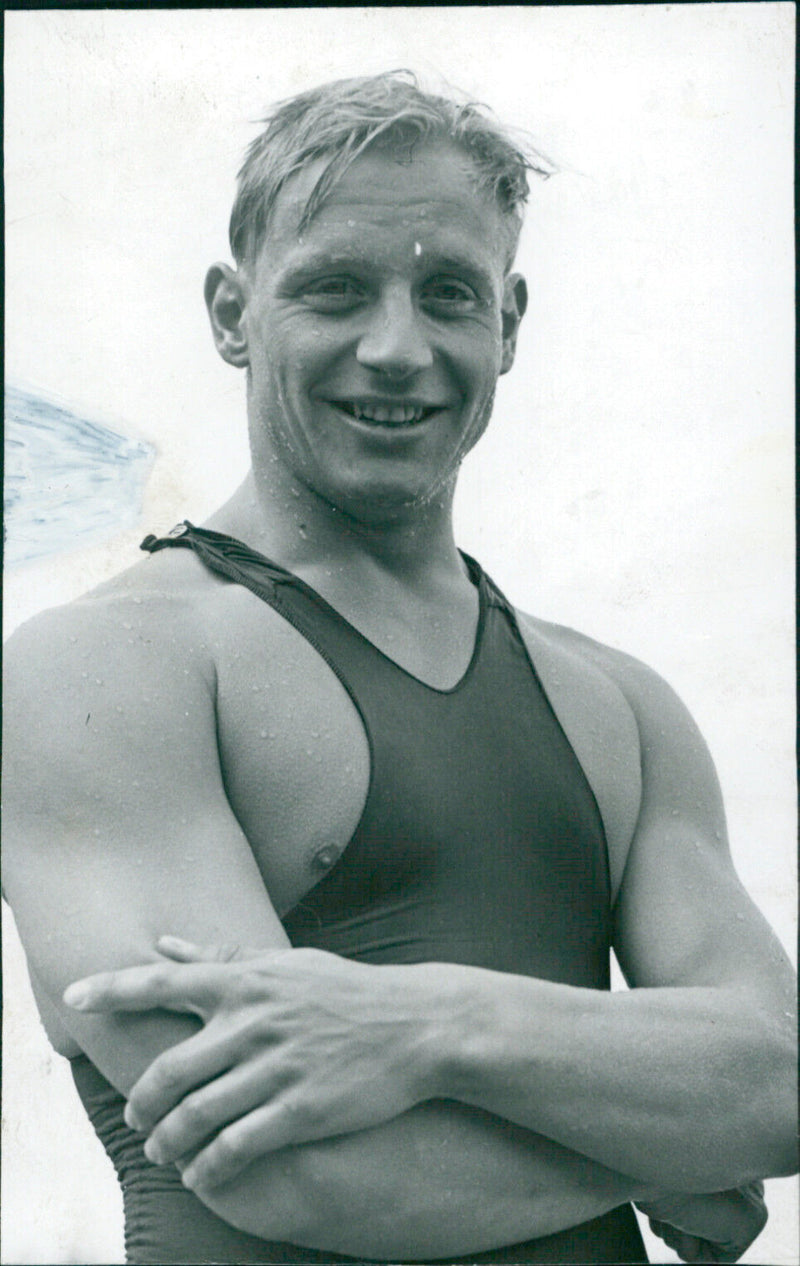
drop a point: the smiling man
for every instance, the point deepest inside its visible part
(314, 729)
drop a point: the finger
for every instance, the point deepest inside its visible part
(179, 1071)
(690, 1248)
(177, 987)
(266, 1129)
(673, 1238)
(180, 951)
(204, 1112)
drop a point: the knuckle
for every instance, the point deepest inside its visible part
(165, 1077)
(197, 1114)
(224, 1158)
(301, 1117)
(160, 976)
(253, 982)
(241, 989)
(258, 1032)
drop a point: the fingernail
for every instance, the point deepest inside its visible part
(77, 996)
(131, 1119)
(153, 1152)
(172, 942)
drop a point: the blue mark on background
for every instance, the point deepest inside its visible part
(68, 481)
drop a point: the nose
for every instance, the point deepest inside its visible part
(395, 342)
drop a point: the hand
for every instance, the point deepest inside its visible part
(296, 1045)
(717, 1227)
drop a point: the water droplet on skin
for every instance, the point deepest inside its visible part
(303, 530)
(138, 601)
(255, 688)
(126, 625)
(417, 249)
(97, 681)
(264, 734)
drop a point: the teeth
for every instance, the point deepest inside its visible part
(387, 414)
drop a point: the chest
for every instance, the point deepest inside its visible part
(312, 770)
(293, 751)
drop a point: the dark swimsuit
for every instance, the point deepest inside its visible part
(480, 842)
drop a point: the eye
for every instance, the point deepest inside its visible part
(450, 295)
(333, 294)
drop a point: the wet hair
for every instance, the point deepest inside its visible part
(338, 121)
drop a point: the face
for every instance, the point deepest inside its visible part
(374, 338)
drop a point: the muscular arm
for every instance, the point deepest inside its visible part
(440, 1180)
(688, 1079)
(117, 829)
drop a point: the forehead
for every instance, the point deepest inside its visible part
(392, 204)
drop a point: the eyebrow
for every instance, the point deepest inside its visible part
(321, 261)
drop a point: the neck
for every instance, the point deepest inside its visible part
(293, 525)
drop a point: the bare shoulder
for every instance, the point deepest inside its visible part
(637, 688)
(96, 691)
(625, 724)
(155, 608)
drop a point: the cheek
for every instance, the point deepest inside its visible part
(481, 361)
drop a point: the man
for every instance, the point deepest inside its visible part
(315, 730)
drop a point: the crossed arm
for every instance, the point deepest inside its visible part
(653, 1090)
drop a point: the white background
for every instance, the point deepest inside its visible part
(636, 481)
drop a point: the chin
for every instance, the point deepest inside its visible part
(383, 502)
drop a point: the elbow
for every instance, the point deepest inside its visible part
(779, 1102)
(780, 1138)
(768, 1134)
(748, 1129)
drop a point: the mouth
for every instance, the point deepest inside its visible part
(387, 413)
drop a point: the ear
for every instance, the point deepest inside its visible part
(225, 300)
(515, 301)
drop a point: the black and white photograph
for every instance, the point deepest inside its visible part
(399, 812)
